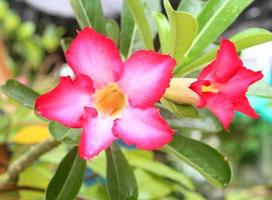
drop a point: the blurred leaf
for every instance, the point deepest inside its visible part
(68, 178)
(65, 43)
(26, 30)
(89, 13)
(213, 20)
(65, 135)
(183, 28)
(20, 93)
(206, 160)
(138, 13)
(261, 89)
(11, 23)
(153, 187)
(31, 134)
(161, 170)
(112, 30)
(247, 38)
(180, 110)
(121, 182)
(163, 31)
(51, 37)
(192, 7)
(127, 28)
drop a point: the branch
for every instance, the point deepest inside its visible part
(27, 159)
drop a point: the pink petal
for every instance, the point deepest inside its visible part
(208, 73)
(144, 128)
(97, 134)
(221, 107)
(66, 102)
(243, 106)
(227, 62)
(236, 88)
(96, 56)
(197, 87)
(145, 77)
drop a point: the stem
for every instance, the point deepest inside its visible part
(28, 158)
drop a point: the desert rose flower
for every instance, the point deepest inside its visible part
(109, 98)
(222, 85)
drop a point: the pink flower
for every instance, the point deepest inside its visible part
(223, 84)
(110, 99)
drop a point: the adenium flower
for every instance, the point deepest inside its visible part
(109, 98)
(223, 84)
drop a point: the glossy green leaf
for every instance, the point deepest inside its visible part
(138, 13)
(63, 134)
(245, 39)
(127, 29)
(192, 7)
(89, 13)
(68, 178)
(214, 19)
(183, 28)
(206, 160)
(112, 30)
(163, 31)
(65, 43)
(206, 122)
(121, 182)
(20, 93)
(161, 170)
(180, 110)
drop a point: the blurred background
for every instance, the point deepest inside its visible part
(30, 51)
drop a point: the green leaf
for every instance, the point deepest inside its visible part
(192, 7)
(138, 13)
(121, 182)
(89, 13)
(127, 28)
(112, 30)
(206, 122)
(68, 178)
(65, 43)
(216, 16)
(206, 160)
(20, 93)
(180, 110)
(63, 134)
(261, 89)
(161, 170)
(163, 31)
(183, 28)
(245, 39)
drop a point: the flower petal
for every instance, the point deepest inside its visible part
(144, 128)
(66, 102)
(236, 88)
(96, 56)
(196, 87)
(97, 134)
(243, 106)
(227, 62)
(221, 107)
(145, 77)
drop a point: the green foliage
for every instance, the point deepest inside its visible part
(206, 160)
(121, 182)
(68, 178)
(20, 93)
(89, 13)
(180, 110)
(137, 11)
(183, 28)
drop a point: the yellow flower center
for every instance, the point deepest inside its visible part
(110, 100)
(211, 88)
